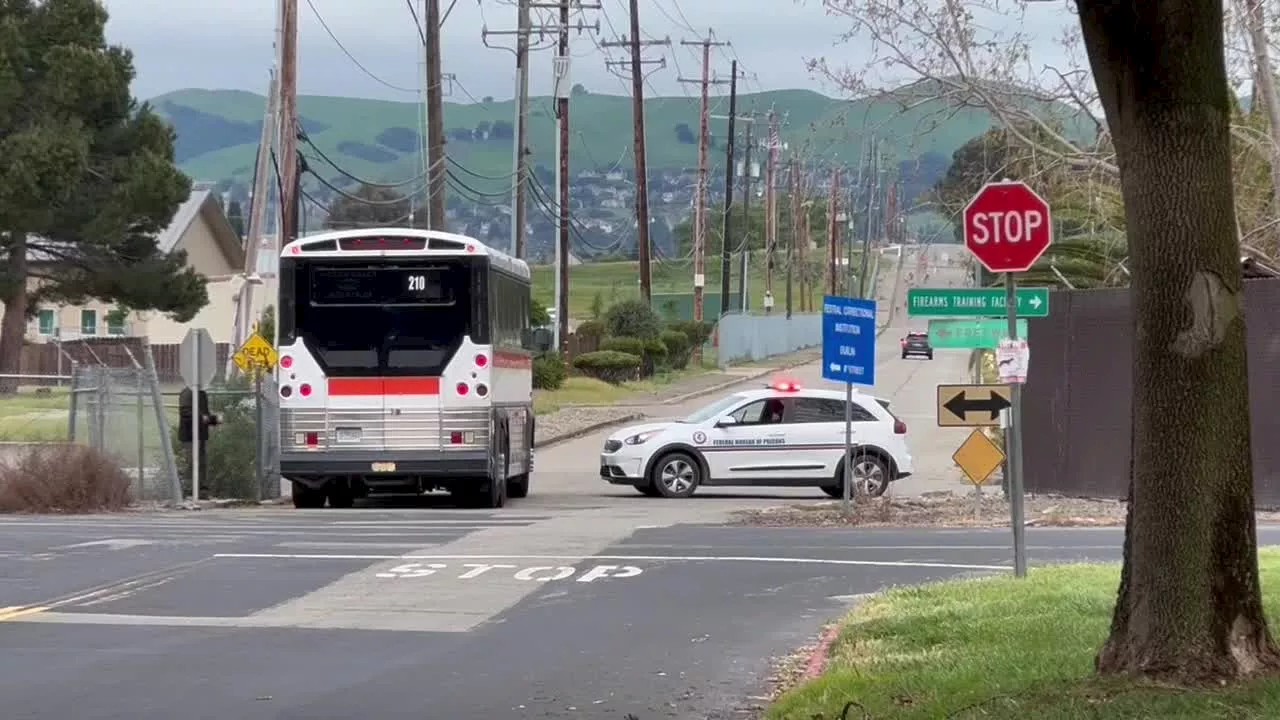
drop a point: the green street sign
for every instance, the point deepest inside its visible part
(974, 302)
(971, 334)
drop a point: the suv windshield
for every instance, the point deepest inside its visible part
(715, 409)
(397, 318)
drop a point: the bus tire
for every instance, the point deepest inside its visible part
(494, 492)
(305, 498)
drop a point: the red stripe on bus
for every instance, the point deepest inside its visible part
(512, 359)
(412, 386)
(384, 386)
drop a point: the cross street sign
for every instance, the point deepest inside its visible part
(975, 302)
(971, 334)
(849, 340)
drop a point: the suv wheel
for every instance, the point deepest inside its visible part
(676, 475)
(870, 475)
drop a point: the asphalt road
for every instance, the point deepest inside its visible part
(581, 601)
(673, 622)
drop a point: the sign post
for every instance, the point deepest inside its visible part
(848, 356)
(197, 363)
(1007, 227)
(257, 357)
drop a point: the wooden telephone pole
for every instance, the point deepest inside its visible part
(520, 147)
(771, 209)
(699, 224)
(436, 167)
(288, 124)
(793, 189)
(637, 113)
(833, 235)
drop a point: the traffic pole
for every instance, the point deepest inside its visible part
(1013, 441)
(847, 501)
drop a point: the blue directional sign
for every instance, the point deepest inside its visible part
(849, 340)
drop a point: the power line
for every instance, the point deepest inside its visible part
(351, 57)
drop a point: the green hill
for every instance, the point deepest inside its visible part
(377, 140)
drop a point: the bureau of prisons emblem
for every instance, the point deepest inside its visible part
(699, 437)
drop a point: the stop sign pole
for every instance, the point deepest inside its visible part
(1007, 227)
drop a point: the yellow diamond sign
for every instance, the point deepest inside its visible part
(255, 355)
(978, 456)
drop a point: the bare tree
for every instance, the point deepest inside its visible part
(1189, 605)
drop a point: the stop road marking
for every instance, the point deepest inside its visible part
(535, 573)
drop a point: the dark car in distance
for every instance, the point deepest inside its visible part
(917, 343)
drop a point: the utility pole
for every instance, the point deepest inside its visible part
(699, 224)
(288, 124)
(726, 247)
(833, 234)
(793, 188)
(801, 229)
(637, 123)
(770, 209)
(257, 217)
(435, 117)
(731, 171)
(748, 174)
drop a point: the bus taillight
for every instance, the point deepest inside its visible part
(481, 360)
(313, 439)
(304, 390)
(463, 389)
(286, 362)
(458, 438)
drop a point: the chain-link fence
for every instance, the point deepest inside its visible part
(128, 414)
(121, 413)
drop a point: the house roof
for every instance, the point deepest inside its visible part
(203, 203)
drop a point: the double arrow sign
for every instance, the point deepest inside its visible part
(971, 405)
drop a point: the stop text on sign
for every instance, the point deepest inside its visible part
(533, 573)
(1005, 227)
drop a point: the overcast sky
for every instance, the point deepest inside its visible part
(228, 44)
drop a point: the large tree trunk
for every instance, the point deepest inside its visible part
(13, 328)
(1189, 606)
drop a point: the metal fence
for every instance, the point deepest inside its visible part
(243, 452)
(756, 337)
(1077, 410)
(120, 412)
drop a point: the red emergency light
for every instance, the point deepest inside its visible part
(783, 385)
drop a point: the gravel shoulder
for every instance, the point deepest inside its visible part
(946, 509)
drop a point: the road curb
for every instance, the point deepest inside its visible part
(817, 661)
(575, 434)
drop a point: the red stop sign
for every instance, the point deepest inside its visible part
(1007, 227)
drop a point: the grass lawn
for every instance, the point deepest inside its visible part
(615, 281)
(1004, 648)
(589, 391)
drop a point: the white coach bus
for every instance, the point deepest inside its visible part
(405, 367)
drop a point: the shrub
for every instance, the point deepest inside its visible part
(608, 365)
(632, 318)
(628, 345)
(678, 348)
(548, 372)
(63, 478)
(697, 332)
(590, 331)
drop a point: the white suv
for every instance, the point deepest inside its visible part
(784, 435)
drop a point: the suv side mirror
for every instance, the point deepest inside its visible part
(727, 421)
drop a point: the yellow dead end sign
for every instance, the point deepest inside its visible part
(255, 356)
(978, 456)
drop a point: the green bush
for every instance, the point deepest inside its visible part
(697, 332)
(232, 446)
(590, 331)
(548, 372)
(628, 345)
(678, 348)
(632, 318)
(608, 365)
(538, 315)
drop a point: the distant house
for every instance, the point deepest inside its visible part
(200, 227)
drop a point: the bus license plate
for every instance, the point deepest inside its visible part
(348, 435)
(384, 467)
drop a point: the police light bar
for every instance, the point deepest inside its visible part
(784, 385)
